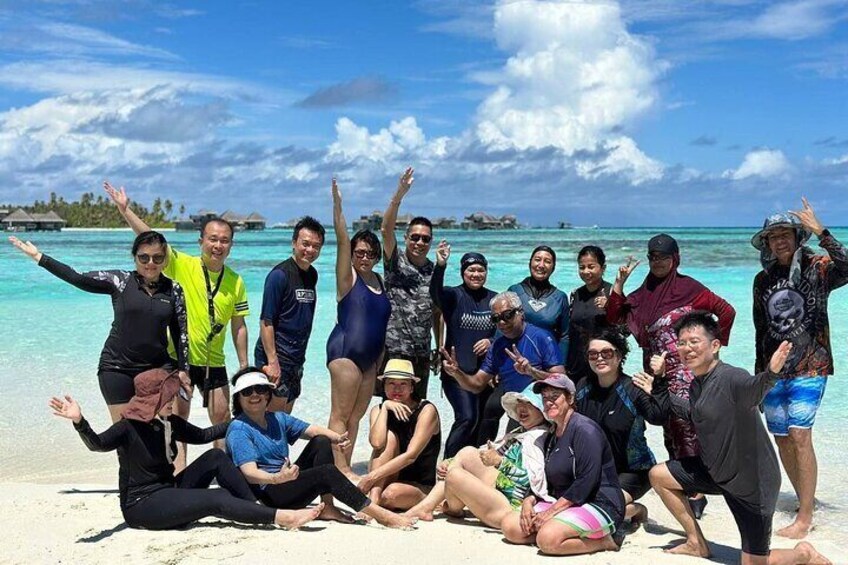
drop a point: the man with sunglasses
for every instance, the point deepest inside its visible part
(215, 297)
(790, 303)
(407, 276)
(521, 354)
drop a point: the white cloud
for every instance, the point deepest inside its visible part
(575, 80)
(795, 20)
(762, 163)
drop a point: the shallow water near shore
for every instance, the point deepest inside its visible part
(53, 333)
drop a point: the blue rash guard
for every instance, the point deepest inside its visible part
(547, 310)
(536, 344)
(289, 304)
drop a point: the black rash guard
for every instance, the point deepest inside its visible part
(621, 410)
(142, 461)
(735, 447)
(138, 339)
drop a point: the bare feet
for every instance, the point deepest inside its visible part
(293, 519)
(795, 530)
(389, 519)
(363, 517)
(421, 514)
(689, 548)
(454, 512)
(609, 544)
(812, 556)
(334, 514)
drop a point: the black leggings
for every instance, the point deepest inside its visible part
(490, 420)
(192, 500)
(318, 476)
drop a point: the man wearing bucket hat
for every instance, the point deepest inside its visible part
(406, 435)
(790, 303)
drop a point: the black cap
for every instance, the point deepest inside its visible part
(472, 259)
(663, 243)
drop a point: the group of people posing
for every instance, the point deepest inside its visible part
(574, 460)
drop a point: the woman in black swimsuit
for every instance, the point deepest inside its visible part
(406, 436)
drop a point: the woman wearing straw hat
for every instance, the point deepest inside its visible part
(406, 436)
(493, 480)
(258, 442)
(145, 438)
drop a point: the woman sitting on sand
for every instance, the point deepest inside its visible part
(258, 442)
(621, 405)
(493, 481)
(406, 436)
(146, 305)
(145, 438)
(581, 476)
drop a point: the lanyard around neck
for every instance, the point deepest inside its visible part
(210, 296)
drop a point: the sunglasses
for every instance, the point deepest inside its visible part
(605, 354)
(416, 237)
(657, 257)
(505, 316)
(255, 389)
(362, 254)
(144, 258)
(183, 394)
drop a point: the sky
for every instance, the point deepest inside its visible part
(616, 113)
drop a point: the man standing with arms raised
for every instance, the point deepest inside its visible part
(407, 274)
(790, 303)
(215, 295)
(288, 307)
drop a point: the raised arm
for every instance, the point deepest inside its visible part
(119, 197)
(101, 282)
(344, 270)
(617, 307)
(109, 440)
(837, 269)
(715, 304)
(390, 217)
(751, 389)
(442, 298)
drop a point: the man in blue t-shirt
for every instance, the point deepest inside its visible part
(288, 307)
(521, 354)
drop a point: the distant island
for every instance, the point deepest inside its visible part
(89, 211)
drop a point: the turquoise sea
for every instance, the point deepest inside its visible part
(53, 333)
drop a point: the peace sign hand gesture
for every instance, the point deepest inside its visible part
(449, 362)
(27, 247)
(808, 218)
(627, 269)
(521, 363)
(443, 253)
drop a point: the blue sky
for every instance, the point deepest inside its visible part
(635, 112)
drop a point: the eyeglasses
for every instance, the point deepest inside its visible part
(144, 258)
(605, 354)
(552, 395)
(416, 237)
(691, 344)
(505, 316)
(362, 254)
(255, 389)
(657, 257)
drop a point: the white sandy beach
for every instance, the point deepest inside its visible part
(81, 523)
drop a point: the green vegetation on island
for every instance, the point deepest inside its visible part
(92, 211)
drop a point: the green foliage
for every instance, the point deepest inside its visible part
(99, 212)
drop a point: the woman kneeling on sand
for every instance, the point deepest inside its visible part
(580, 472)
(406, 436)
(145, 438)
(493, 481)
(258, 442)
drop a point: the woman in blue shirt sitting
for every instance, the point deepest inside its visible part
(258, 442)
